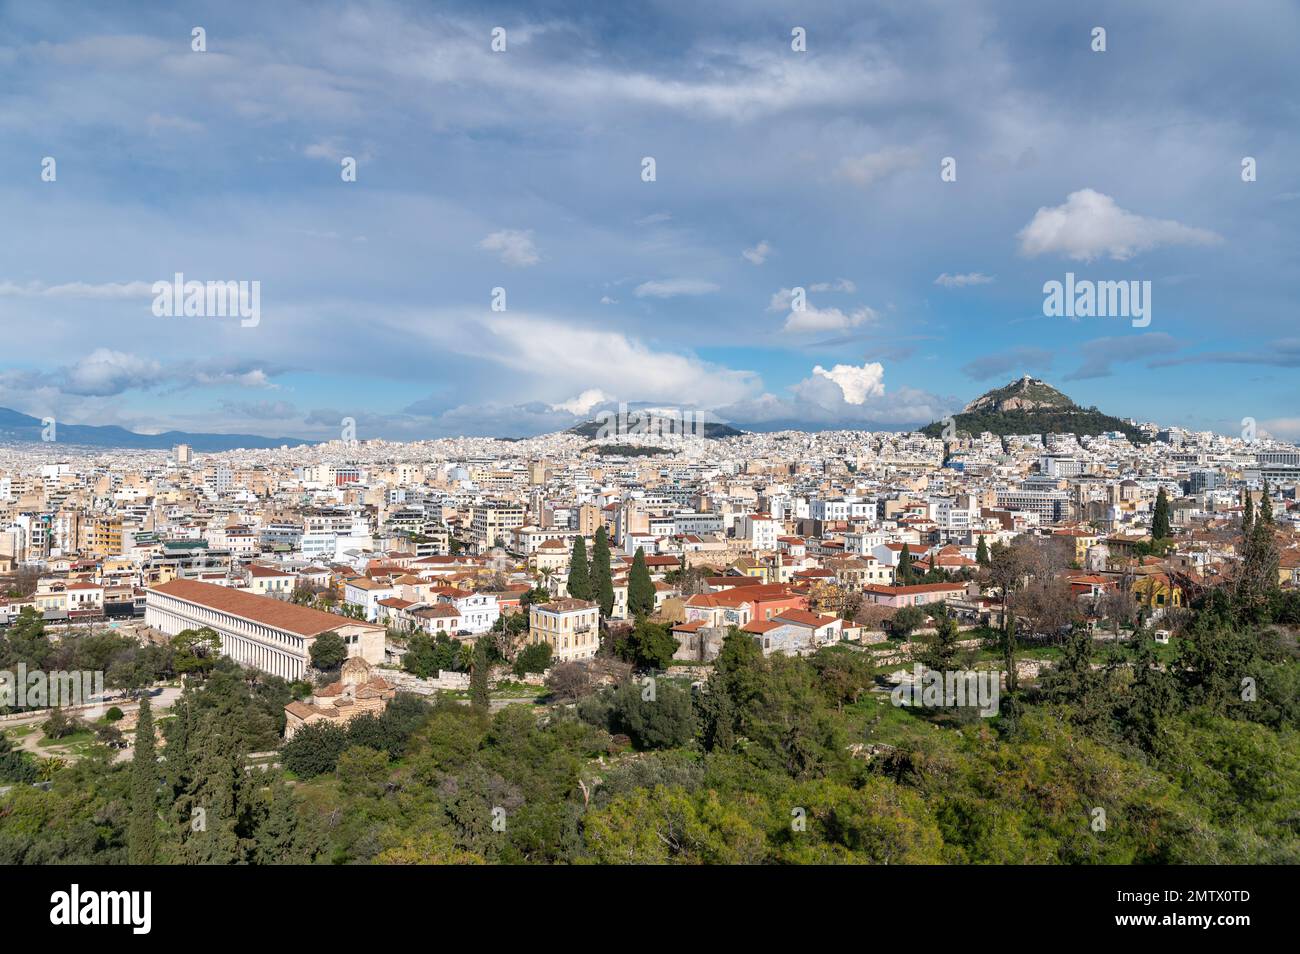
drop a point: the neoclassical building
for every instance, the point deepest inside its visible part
(258, 631)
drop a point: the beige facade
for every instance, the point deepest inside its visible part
(572, 627)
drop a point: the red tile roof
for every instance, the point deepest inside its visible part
(260, 609)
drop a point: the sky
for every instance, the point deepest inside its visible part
(775, 170)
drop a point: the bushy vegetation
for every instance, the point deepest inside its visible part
(771, 759)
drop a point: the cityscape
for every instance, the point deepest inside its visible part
(538, 436)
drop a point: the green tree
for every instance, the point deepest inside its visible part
(479, 697)
(580, 587)
(640, 589)
(142, 830)
(15, 765)
(655, 714)
(940, 650)
(649, 645)
(982, 552)
(535, 657)
(1257, 578)
(903, 574)
(328, 651)
(1160, 518)
(602, 579)
(196, 651)
(908, 619)
(283, 837)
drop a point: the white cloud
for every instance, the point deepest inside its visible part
(672, 287)
(654, 218)
(825, 319)
(583, 403)
(104, 372)
(1284, 428)
(546, 351)
(961, 281)
(758, 254)
(1089, 225)
(104, 290)
(516, 247)
(874, 166)
(856, 384)
(606, 300)
(839, 285)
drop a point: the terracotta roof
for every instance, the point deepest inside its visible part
(918, 588)
(256, 569)
(803, 618)
(260, 609)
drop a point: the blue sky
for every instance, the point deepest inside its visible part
(521, 169)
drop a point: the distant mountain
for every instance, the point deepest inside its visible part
(647, 422)
(22, 428)
(1031, 406)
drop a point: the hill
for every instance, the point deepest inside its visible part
(647, 422)
(1032, 406)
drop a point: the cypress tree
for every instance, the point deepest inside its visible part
(904, 572)
(640, 589)
(1160, 518)
(602, 578)
(982, 553)
(142, 832)
(579, 572)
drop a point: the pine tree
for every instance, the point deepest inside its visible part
(216, 807)
(1248, 513)
(279, 839)
(1160, 518)
(640, 590)
(142, 831)
(579, 572)
(982, 553)
(1266, 506)
(602, 579)
(941, 651)
(479, 697)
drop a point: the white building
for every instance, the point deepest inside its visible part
(257, 631)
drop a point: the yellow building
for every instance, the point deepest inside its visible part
(101, 536)
(571, 627)
(1083, 539)
(1157, 590)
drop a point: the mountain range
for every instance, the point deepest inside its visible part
(17, 427)
(1024, 406)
